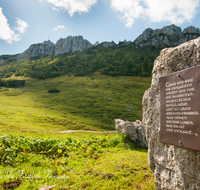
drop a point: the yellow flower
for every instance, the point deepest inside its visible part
(59, 151)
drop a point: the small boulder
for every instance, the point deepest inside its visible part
(136, 130)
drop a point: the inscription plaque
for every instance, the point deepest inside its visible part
(180, 108)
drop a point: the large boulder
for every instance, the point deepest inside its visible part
(135, 130)
(173, 167)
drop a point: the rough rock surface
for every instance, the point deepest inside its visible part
(96, 44)
(41, 49)
(135, 130)
(71, 44)
(189, 33)
(124, 42)
(107, 44)
(63, 45)
(173, 167)
(168, 36)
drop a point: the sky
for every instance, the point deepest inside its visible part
(26, 22)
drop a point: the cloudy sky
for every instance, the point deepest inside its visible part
(25, 22)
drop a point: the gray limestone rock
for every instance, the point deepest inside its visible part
(124, 42)
(189, 33)
(63, 45)
(71, 44)
(173, 167)
(41, 49)
(97, 43)
(168, 36)
(135, 130)
(107, 44)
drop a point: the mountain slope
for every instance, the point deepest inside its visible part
(168, 36)
(77, 56)
(121, 60)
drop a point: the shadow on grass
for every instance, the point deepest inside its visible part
(124, 141)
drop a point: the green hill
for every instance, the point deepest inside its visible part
(94, 87)
(89, 103)
(82, 91)
(121, 60)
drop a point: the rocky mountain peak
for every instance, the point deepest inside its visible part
(170, 30)
(41, 49)
(63, 45)
(71, 44)
(168, 36)
(107, 44)
(191, 30)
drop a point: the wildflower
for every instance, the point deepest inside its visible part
(59, 151)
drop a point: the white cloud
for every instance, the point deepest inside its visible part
(174, 11)
(80, 6)
(55, 9)
(6, 33)
(59, 26)
(21, 26)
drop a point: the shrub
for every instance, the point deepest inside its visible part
(53, 90)
(12, 83)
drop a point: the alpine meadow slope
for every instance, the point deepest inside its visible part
(74, 85)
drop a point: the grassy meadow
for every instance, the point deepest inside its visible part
(84, 103)
(87, 162)
(34, 154)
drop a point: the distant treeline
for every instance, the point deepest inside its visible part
(124, 60)
(12, 83)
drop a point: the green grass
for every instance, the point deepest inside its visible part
(101, 162)
(83, 103)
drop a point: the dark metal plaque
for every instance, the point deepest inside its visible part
(180, 108)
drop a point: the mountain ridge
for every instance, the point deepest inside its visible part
(168, 36)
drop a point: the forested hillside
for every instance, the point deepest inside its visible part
(121, 60)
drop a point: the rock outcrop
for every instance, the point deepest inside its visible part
(71, 44)
(173, 167)
(107, 44)
(124, 42)
(135, 130)
(62, 46)
(189, 33)
(168, 36)
(41, 49)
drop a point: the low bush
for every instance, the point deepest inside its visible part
(53, 90)
(12, 83)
